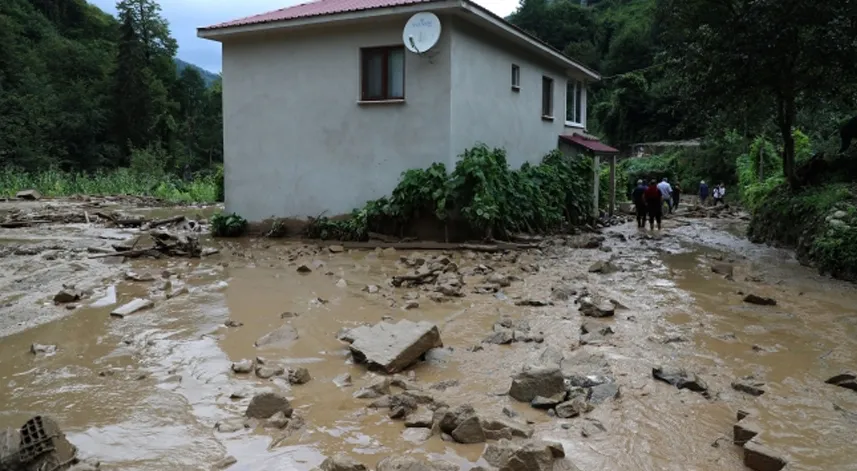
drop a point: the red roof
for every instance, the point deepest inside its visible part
(592, 144)
(316, 8)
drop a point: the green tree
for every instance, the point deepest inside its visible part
(776, 54)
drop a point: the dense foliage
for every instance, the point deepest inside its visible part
(482, 192)
(81, 91)
(228, 225)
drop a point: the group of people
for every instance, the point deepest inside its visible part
(650, 199)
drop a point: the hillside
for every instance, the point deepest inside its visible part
(209, 77)
(81, 90)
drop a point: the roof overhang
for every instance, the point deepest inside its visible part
(463, 8)
(590, 143)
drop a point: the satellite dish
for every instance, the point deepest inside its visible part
(421, 32)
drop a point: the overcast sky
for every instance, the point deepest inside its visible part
(187, 15)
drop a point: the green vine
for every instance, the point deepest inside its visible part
(482, 192)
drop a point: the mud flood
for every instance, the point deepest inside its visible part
(146, 392)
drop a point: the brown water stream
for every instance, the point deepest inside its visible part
(145, 392)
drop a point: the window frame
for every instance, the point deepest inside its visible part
(516, 78)
(385, 74)
(571, 103)
(547, 98)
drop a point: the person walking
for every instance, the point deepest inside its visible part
(703, 193)
(654, 198)
(639, 203)
(666, 193)
(676, 195)
(719, 194)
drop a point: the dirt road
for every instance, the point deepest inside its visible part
(147, 392)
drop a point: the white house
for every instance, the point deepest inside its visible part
(324, 107)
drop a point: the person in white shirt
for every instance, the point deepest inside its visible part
(719, 193)
(666, 191)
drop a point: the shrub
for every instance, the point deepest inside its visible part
(232, 225)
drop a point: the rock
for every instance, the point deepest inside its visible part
(242, 366)
(573, 408)
(525, 455)
(304, 269)
(591, 427)
(500, 337)
(140, 277)
(177, 291)
(448, 420)
(844, 380)
(267, 372)
(540, 402)
(67, 295)
(37, 349)
(537, 381)
(550, 357)
(225, 463)
(233, 323)
(341, 462)
(760, 458)
(136, 305)
(420, 418)
(410, 463)
(590, 309)
(375, 389)
(416, 435)
(341, 283)
(595, 328)
(299, 375)
(533, 302)
(288, 315)
(679, 378)
(278, 420)
(759, 300)
(498, 279)
(371, 289)
(605, 268)
(753, 388)
(343, 380)
(444, 385)
(402, 405)
(563, 293)
(282, 337)
(266, 404)
(726, 269)
(410, 305)
(382, 402)
(229, 426)
(336, 248)
(496, 428)
(603, 392)
(394, 347)
(30, 195)
(469, 431)
(744, 431)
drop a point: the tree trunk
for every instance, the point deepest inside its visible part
(785, 120)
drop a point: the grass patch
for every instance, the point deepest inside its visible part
(56, 183)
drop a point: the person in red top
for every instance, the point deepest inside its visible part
(654, 204)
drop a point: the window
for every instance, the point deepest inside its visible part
(575, 103)
(383, 73)
(547, 97)
(516, 78)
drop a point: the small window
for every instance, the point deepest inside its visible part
(547, 97)
(575, 102)
(516, 77)
(383, 73)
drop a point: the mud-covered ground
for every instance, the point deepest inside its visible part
(147, 392)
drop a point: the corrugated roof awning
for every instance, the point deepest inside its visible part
(592, 144)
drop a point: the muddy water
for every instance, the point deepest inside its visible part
(144, 392)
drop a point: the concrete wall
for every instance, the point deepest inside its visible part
(485, 108)
(296, 141)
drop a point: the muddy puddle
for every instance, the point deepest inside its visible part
(145, 392)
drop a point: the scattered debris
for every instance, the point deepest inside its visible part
(132, 307)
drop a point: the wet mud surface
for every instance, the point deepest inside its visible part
(146, 392)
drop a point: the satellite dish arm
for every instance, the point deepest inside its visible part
(413, 44)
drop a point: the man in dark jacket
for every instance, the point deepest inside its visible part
(654, 203)
(639, 203)
(703, 192)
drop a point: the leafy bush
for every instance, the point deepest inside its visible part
(483, 192)
(232, 225)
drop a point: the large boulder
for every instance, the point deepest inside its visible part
(394, 347)
(266, 404)
(341, 462)
(544, 381)
(527, 455)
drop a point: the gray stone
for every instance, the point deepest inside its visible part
(229, 426)
(550, 357)
(573, 408)
(225, 463)
(420, 418)
(759, 300)
(266, 404)
(132, 307)
(537, 381)
(401, 405)
(723, 269)
(589, 308)
(416, 435)
(31, 195)
(243, 366)
(267, 372)
(448, 420)
(500, 337)
(343, 380)
(410, 463)
(540, 402)
(748, 386)
(278, 421)
(394, 347)
(299, 375)
(759, 457)
(469, 431)
(282, 337)
(679, 378)
(499, 279)
(139, 277)
(526, 455)
(37, 349)
(591, 427)
(341, 462)
(376, 388)
(496, 428)
(68, 295)
(603, 267)
(304, 269)
(603, 392)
